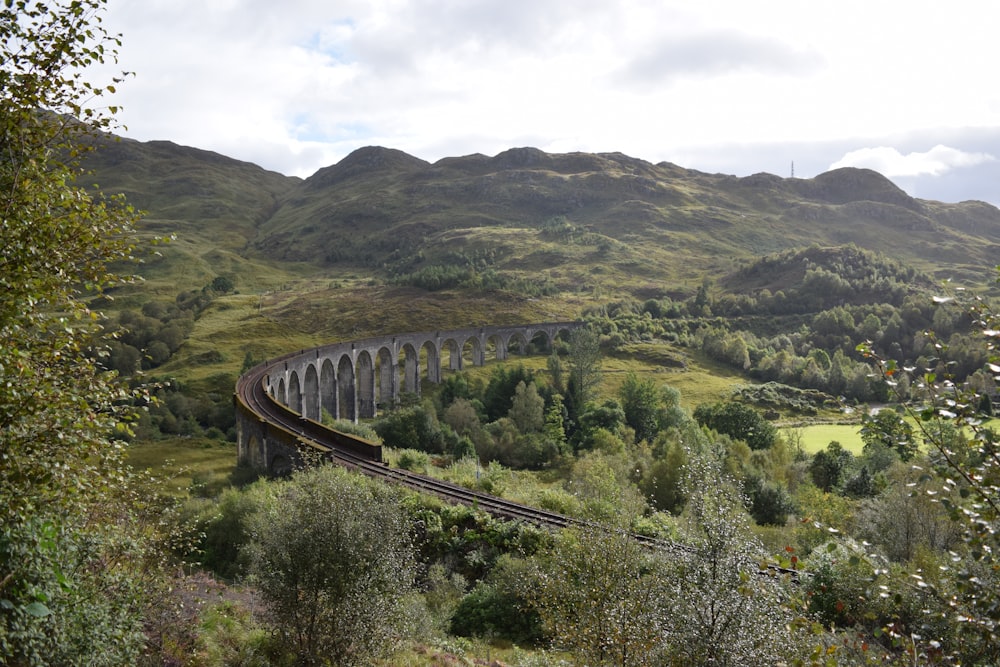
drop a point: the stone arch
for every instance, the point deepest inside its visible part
(310, 394)
(280, 466)
(411, 369)
(560, 340)
(494, 348)
(517, 343)
(294, 392)
(251, 450)
(346, 392)
(388, 382)
(280, 394)
(365, 371)
(540, 342)
(328, 389)
(472, 351)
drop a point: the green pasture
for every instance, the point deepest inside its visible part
(814, 437)
(186, 466)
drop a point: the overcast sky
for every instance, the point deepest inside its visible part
(732, 86)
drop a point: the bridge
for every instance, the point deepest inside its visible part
(278, 407)
(352, 380)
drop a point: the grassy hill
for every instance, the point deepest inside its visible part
(383, 241)
(583, 222)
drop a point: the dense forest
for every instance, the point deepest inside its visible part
(676, 415)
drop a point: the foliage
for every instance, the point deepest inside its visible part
(75, 565)
(146, 339)
(527, 409)
(888, 430)
(779, 396)
(905, 519)
(738, 421)
(225, 532)
(497, 607)
(499, 393)
(584, 369)
(769, 502)
(229, 635)
(437, 277)
(597, 594)
(641, 404)
(414, 427)
(331, 554)
(828, 466)
(466, 541)
(968, 487)
(719, 610)
(661, 484)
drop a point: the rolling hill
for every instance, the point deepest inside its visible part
(527, 212)
(518, 236)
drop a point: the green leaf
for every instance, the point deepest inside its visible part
(37, 609)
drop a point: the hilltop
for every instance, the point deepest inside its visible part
(526, 213)
(383, 241)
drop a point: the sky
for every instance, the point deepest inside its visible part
(722, 86)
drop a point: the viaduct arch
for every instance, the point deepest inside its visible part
(353, 380)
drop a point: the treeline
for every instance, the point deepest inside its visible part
(467, 270)
(799, 337)
(135, 343)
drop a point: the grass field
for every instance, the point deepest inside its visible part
(815, 437)
(186, 466)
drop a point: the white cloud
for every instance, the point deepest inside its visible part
(891, 163)
(298, 84)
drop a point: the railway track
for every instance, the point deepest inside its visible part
(313, 436)
(316, 437)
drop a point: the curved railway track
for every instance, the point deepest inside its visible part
(250, 390)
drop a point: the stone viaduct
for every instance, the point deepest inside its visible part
(352, 380)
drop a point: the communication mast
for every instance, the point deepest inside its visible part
(793, 168)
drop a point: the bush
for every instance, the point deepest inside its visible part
(411, 459)
(332, 556)
(738, 421)
(411, 428)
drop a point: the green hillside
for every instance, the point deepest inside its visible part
(572, 223)
(726, 311)
(383, 241)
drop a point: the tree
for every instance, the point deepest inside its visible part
(719, 611)
(662, 482)
(596, 593)
(499, 393)
(498, 606)
(527, 409)
(970, 586)
(887, 429)
(331, 554)
(462, 417)
(69, 585)
(738, 421)
(415, 427)
(828, 466)
(554, 428)
(584, 368)
(641, 404)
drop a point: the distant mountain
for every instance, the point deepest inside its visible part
(561, 218)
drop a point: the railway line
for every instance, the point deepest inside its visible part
(312, 436)
(319, 439)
